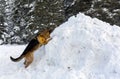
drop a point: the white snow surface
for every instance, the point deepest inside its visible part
(81, 48)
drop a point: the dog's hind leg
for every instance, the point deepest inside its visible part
(28, 59)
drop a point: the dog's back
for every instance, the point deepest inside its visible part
(30, 47)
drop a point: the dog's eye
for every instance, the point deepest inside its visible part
(42, 39)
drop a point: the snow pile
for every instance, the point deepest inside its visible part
(81, 48)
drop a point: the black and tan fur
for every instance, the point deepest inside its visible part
(41, 39)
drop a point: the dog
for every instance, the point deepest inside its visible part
(41, 39)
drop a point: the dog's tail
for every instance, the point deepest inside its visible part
(16, 59)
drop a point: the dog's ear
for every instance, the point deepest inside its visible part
(50, 31)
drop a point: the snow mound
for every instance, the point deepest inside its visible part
(81, 48)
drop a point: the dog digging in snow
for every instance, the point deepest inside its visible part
(41, 39)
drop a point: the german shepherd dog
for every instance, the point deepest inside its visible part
(41, 39)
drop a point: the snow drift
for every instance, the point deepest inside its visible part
(81, 48)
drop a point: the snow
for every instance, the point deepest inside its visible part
(81, 48)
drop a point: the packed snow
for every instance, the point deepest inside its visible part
(81, 48)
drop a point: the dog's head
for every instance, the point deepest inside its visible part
(43, 36)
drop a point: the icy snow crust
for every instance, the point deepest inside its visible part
(81, 48)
